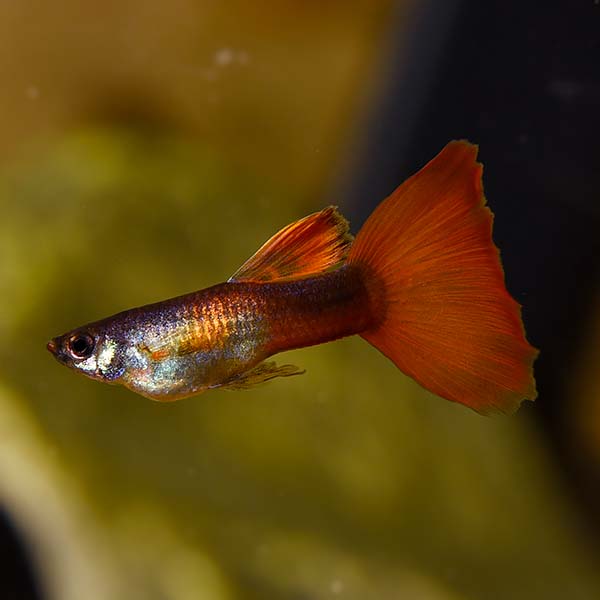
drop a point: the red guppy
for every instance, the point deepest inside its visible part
(422, 282)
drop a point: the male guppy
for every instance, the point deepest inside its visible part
(422, 282)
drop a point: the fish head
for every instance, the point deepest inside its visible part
(91, 351)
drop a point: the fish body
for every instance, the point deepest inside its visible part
(207, 339)
(422, 282)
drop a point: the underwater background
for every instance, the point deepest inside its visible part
(147, 149)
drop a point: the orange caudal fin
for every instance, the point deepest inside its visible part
(447, 318)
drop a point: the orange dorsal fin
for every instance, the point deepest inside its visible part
(306, 247)
(447, 319)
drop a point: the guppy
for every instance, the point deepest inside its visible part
(422, 282)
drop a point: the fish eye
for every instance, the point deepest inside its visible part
(81, 345)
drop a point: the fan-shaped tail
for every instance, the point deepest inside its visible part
(447, 318)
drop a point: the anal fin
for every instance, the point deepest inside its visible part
(263, 372)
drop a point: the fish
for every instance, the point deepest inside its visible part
(422, 282)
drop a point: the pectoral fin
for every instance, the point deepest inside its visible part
(265, 371)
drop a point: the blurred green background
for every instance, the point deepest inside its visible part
(147, 150)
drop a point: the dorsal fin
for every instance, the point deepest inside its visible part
(306, 247)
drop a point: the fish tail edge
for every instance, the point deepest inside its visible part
(446, 318)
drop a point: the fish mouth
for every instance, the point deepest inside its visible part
(55, 349)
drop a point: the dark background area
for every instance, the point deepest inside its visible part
(522, 79)
(19, 581)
